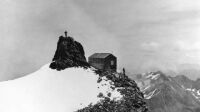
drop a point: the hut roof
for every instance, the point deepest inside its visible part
(100, 55)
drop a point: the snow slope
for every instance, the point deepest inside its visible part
(49, 90)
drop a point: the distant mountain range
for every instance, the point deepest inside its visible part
(169, 94)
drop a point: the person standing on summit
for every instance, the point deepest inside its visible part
(66, 36)
(65, 33)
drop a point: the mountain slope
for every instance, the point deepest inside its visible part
(168, 94)
(49, 90)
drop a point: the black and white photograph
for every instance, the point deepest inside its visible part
(99, 56)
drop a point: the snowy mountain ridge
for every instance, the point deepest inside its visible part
(48, 90)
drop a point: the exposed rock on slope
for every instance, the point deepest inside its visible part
(69, 53)
(132, 100)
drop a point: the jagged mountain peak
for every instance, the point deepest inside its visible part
(182, 77)
(69, 53)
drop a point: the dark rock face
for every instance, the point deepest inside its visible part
(69, 53)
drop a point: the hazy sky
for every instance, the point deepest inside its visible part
(143, 34)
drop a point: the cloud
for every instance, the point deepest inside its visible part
(151, 46)
(188, 50)
(187, 46)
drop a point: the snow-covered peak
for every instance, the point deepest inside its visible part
(48, 90)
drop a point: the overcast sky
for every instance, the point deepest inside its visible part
(143, 34)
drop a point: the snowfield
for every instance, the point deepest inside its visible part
(48, 90)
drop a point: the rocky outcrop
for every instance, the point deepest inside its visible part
(69, 53)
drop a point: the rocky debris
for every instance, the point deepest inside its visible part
(69, 53)
(132, 100)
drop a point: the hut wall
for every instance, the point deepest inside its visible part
(96, 63)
